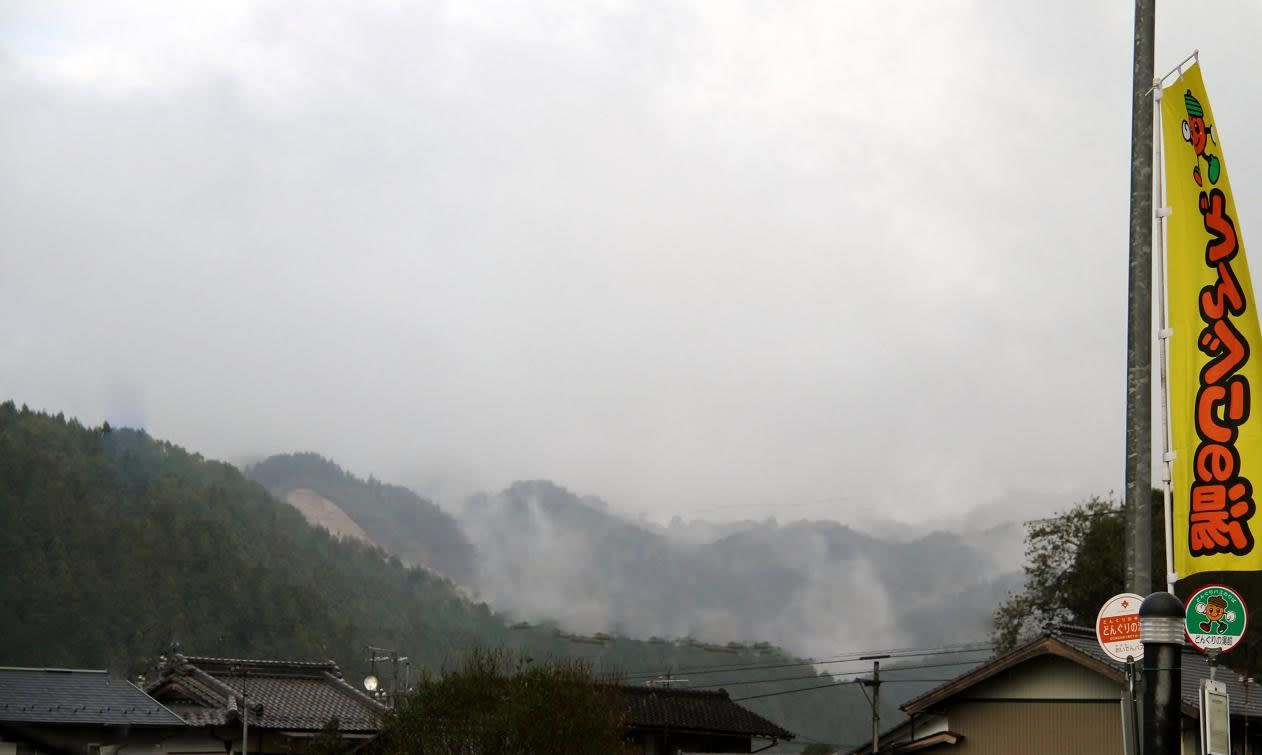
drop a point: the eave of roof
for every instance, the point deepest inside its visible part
(940, 738)
(1045, 645)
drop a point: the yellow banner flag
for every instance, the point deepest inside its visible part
(1213, 314)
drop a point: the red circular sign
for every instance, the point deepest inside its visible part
(1117, 627)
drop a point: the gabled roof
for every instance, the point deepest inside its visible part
(281, 695)
(77, 697)
(1047, 644)
(1246, 702)
(1078, 644)
(694, 710)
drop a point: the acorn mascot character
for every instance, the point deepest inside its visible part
(1197, 133)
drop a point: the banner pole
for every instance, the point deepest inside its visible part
(1139, 317)
(1165, 332)
(1161, 80)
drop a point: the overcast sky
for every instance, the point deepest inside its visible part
(713, 259)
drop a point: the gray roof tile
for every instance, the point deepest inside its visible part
(710, 711)
(293, 695)
(1244, 701)
(74, 696)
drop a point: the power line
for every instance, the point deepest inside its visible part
(826, 686)
(846, 658)
(891, 670)
(860, 655)
(1087, 514)
(792, 691)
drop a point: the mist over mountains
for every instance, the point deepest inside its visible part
(160, 546)
(816, 586)
(542, 553)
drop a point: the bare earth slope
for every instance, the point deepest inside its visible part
(322, 512)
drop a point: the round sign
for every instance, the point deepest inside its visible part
(1216, 618)
(1117, 627)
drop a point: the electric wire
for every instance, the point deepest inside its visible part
(860, 655)
(826, 686)
(793, 691)
(890, 669)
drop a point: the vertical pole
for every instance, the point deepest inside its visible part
(876, 706)
(245, 710)
(245, 720)
(1132, 671)
(1138, 502)
(1165, 333)
(1161, 631)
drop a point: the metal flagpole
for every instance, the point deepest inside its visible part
(1165, 332)
(1160, 255)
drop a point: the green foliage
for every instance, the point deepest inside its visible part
(120, 544)
(1074, 563)
(328, 742)
(136, 544)
(489, 704)
(405, 524)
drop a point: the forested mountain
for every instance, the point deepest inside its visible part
(119, 544)
(405, 524)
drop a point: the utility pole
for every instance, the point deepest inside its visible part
(245, 715)
(373, 684)
(1138, 500)
(245, 723)
(876, 706)
(875, 683)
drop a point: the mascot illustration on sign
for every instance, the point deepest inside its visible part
(1199, 134)
(1217, 616)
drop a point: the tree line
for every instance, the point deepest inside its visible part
(121, 545)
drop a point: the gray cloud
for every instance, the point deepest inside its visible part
(680, 255)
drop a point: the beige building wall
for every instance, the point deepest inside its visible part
(1038, 728)
(1045, 706)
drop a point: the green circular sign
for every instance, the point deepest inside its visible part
(1215, 618)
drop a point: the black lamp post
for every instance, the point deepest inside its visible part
(1161, 631)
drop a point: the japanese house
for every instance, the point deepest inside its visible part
(279, 704)
(665, 721)
(52, 710)
(1055, 694)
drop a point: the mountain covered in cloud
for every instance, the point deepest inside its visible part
(542, 553)
(815, 586)
(122, 544)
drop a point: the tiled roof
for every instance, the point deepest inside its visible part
(1079, 644)
(73, 696)
(702, 711)
(282, 695)
(1244, 702)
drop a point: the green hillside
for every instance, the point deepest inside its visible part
(396, 518)
(120, 544)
